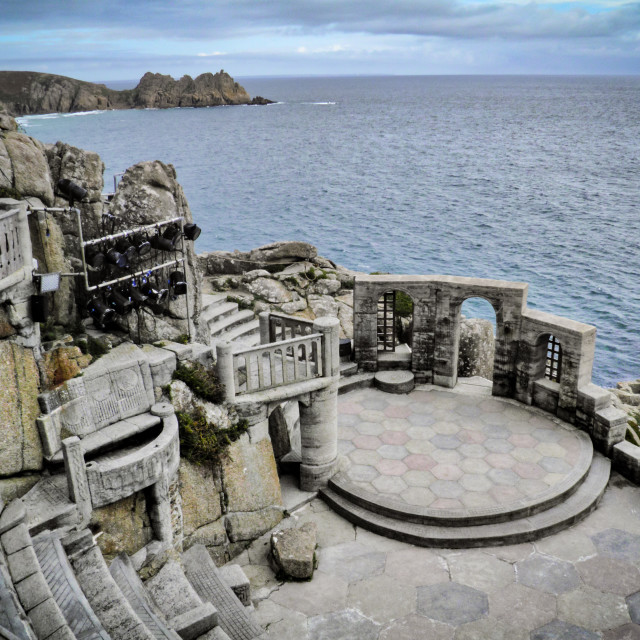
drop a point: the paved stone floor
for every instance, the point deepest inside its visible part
(580, 584)
(456, 450)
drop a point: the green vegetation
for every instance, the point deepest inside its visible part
(183, 338)
(633, 428)
(10, 192)
(202, 441)
(242, 302)
(89, 344)
(202, 380)
(404, 304)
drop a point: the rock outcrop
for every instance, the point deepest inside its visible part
(293, 551)
(30, 92)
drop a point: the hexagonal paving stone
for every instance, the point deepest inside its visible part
(607, 574)
(551, 450)
(503, 476)
(481, 571)
(477, 500)
(345, 447)
(420, 446)
(500, 460)
(522, 440)
(528, 470)
(615, 543)
(446, 456)
(389, 484)
(593, 609)
(532, 487)
(548, 435)
(416, 566)
(559, 630)
(416, 478)
(421, 408)
(394, 437)
(420, 433)
(371, 415)
(445, 428)
(396, 424)
(474, 466)
(392, 451)
(492, 406)
(362, 473)
(475, 482)
(503, 494)
(391, 467)
(625, 632)
(446, 503)
(419, 462)
(418, 496)
(446, 441)
(412, 627)
(554, 465)
(397, 411)
(349, 407)
(473, 450)
(374, 402)
(351, 561)
(526, 455)
(446, 489)
(547, 574)
(446, 472)
(369, 428)
(420, 420)
(497, 445)
(367, 442)
(347, 419)
(382, 599)
(471, 436)
(522, 607)
(342, 625)
(452, 603)
(364, 457)
(496, 431)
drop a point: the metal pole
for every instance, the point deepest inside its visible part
(171, 263)
(128, 232)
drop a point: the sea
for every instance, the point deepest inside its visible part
(524, 178)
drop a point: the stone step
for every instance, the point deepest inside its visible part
(209, 585)
(65, 589)
(391, 360)
(209, 299)
(48, 505)
(215, 312)
(244, 329)
(224, 325)
(348, 368)
(394, 381)
(133, 589)
(355, 381)
(515, 531)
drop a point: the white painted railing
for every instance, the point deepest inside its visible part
(283, 327)
(278, 363)
(11, 254)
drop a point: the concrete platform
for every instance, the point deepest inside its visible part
(450, 458)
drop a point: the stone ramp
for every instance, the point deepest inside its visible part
(206, 580)
(48, 505)
(133, 589)
(518, 530)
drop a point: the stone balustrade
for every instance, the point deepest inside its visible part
(276, 327)
(15, 245)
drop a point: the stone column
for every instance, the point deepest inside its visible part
(77, 481)
(224, 364)
(319, 421)
(265, 337)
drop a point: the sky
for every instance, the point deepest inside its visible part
(106, 40)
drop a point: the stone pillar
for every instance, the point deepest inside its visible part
(265, 337)
(77, 481)
(319, 420)
(224, 364)
(160, 511)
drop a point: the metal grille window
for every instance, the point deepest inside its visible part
(386, 322)
(553, 366)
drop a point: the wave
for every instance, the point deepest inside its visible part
(322, 103)
(82, 113)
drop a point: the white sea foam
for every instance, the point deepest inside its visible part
(320, 103)
(83, 113)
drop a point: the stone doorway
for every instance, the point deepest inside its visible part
(394, 327)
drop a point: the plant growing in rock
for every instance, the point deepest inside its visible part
(633, 428)
(202, 380)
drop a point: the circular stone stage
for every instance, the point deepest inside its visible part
(449, 468)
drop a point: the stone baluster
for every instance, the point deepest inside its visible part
(77, 481)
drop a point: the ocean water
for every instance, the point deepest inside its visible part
(533, 179)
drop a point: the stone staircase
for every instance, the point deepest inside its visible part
(227, 322)
(56, 585)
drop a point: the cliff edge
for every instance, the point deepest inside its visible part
(31, 92)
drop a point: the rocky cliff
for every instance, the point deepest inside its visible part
(30, 92)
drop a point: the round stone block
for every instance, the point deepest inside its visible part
(394, 381)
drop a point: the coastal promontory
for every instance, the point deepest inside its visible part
(31, 92)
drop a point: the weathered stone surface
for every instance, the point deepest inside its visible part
(31, 176)
(251, 525)
(324, 287)
(63, 363)
(7, 123)
(171, 591)
(200, 496)
(6, 173)
(294, 551)
(250, 476)
(342, 625)
(295, 306)
(21, 450)
(283, 251)
(452, 603)
(271, 290)
(547, 574)
(6, 328)
(477, 348)
(125, 525)
(323, 306)
(183, 399)
(11, 488)
(211, 535)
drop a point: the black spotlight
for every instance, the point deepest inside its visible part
(178, 282)
(136, 296)
(94, 257)
(124, 246)
(192, 231)
(155, 296)
(118, 302)
(142, 245)
(102, 314)
(172, 233)
(117, 258)
(160, 243)
(71, 190)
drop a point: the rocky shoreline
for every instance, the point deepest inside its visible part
(29, 93)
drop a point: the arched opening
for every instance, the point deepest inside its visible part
(477, 343)
(394, 330)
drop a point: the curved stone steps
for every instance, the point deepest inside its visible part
(523, 529)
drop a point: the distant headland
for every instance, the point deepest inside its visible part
(30, 92)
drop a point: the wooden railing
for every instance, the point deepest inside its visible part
(283, 327)
(278, 363)
(11, 250)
